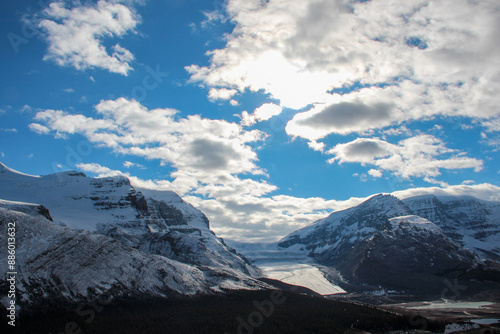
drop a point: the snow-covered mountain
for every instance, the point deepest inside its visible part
(151, 242)
(472, 222)
(392, 243)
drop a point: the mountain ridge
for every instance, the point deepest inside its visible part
(110, 210)
(383, 242)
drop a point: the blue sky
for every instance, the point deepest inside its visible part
(266, 115)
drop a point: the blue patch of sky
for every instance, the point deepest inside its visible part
(357, 86)
(417, 42)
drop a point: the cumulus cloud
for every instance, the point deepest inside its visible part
(375, 173)
(342, 117)
(361, 150)
(210, 160)
(62, 123)
(399, 131)
(394, 62)
(202, 150)
(262, 113)
(129, 164)
(484, 191)
(75, 35)
(101, 171)
(492, 125)
(221, 94)
(254, 217)
(38, 128)
(239, 208)
(419, 156)
(345, 115)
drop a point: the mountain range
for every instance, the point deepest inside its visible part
(412, 246)
(79, 237)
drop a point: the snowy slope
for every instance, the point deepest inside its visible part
(414, 223)
(92, 203)
(72, 198)
(347, 226)
(474, 223)
(288, 265)
(60, 264)
(302, 274)
(160, 223)
(381, 242)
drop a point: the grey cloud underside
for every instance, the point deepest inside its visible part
(366, 148)
(247, 208)
(211, 154)
(348, 115)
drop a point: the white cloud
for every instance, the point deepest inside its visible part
(252, 216)
(266, 111)
(416, 60)
(492, 125)
(375, 173)
(316, 146)
(76, 35)
(63, 123)
(221, 94)
(38, 128)
(484, 191)
(212, 17)
(101, 171)
(128, 164)
(343, 114)
(12, 130)
(399, 131)
(239, 208)
(202, 150)
(361, 150)
(26, 109)
(68, 90)
(419, 156)
(262, 113)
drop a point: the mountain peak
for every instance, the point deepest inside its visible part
(138, 230)
(382, 205)
(7, 171)
(382, 199)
